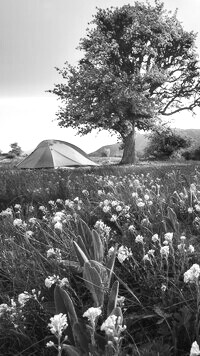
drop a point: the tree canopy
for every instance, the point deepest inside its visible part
(138, 65)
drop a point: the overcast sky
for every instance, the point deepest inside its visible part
(35, 37)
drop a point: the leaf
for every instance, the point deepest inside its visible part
(94, 283)
(173, 219)
(161, 313)
(112, 301)
(81, 244)
(71, 350)
(81, 337)
(110, 265)
(80, 254)
(98, 246)
(72, 265)
(118, 312)
(128, 289)
(64, 304)
(101, 269)
(86, 235)
(49, 307)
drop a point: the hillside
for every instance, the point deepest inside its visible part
(115, 150)
(141, 142)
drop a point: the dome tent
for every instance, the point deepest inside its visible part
(55, 154)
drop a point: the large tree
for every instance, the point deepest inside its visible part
(138, 64)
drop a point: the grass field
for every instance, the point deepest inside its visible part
(100, 261)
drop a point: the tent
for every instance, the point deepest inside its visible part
(54, 154)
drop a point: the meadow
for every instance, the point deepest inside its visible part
(100, 261)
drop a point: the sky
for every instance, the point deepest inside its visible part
(35, 37)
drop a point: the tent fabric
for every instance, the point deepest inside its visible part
(54, 154)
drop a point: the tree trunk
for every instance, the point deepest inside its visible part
(129, 156)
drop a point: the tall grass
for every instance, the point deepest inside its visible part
(148, 215)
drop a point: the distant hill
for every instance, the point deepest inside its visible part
(115, 150)
(141, 142)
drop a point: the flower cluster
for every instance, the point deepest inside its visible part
(51, 280)
(113, 327)
(123, 253)
(92, 314)
(192, 275)
(115, 209)
(58, 324)
(102, 229)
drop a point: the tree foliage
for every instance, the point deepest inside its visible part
(15, 149)
(138, 64)
(164, 142)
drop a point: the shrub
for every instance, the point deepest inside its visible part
(163, 142)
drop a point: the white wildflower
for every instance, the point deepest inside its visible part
(51, 252)
(109, 325)
(23, 298)
(168, 236)
(50, 344)
(17, 206)
(192, 275)
(32, 221)
(54, 253)
(49, 281)
(181, 247)
(92, 313)
(151, 252)
(58, 324)
(113, 218)
(155, 238)
(7, 213)
(191, 248)
(136, 183)
(58, 217)
(193, 188)
(197, 207)
(164, 251)
(190, 210)
(149, 202)
(182, 238)
(42, 208)
(195, 350)
(64, 282)
(123, 253)
(139, 238)
(102, 228)
(118, 208)
(18, 222)
(165, 242)
(58, 226)
(140, 204)
(131, 228)
(113, 326)
(29, 233)
(163, 287)
(106, 208)
(111, 251)
(4, 308)
(146, 258)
